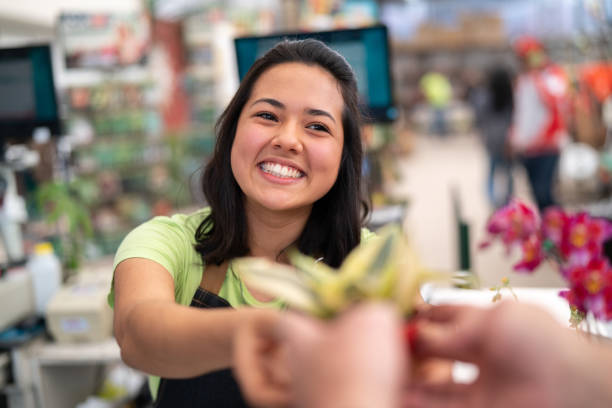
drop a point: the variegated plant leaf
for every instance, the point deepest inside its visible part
(316, 272)
(323, 280)
(385, 267)
(407, 290)
(278, 280)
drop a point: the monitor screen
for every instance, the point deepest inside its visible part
(366, 49)
(28, 93)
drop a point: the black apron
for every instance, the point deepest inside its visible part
(215, 389)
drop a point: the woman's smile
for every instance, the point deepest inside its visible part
(281, 171)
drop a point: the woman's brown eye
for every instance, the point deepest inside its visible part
(266, 115)
(319, 127)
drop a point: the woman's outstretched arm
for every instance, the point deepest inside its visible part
(160, 337)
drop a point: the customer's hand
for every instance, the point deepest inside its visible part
(525, 358)
(356, 360)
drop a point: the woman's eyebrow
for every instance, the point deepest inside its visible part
(271, 101)
(319, 112)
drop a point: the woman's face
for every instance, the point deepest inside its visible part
(288, 144)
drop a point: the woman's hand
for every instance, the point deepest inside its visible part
(356, 360)
(260, 361)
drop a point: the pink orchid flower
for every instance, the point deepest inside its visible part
(591, 288)
(554, 224)
(513, 224)
(533, 255)
(574, 241)
(583, 238)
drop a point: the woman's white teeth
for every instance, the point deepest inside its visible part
(280, 171)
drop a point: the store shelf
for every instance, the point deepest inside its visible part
(202, 72)
(198, 37)
(405, 47)
(91, 77)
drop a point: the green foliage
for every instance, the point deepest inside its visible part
(68, 202)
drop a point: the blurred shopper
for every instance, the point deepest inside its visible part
(438, 92)
(538, 124)
(494, 105)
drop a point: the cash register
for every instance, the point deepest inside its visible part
(79, 311)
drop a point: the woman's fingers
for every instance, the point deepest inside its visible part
(258, 362)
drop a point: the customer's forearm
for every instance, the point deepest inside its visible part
(175, 341)
(600, 367)
(584, 378)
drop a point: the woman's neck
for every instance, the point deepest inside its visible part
(271, 232)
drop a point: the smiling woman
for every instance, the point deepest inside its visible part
(286, 171)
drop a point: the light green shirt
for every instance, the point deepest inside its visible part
(169, 241)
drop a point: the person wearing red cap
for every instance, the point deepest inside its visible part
(538, 129)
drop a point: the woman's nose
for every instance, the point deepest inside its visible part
(288, 138)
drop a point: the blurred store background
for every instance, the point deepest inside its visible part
(107, 113)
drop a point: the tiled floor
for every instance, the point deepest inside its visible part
(436, 167)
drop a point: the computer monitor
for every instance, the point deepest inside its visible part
(27, 93)
(366, 49)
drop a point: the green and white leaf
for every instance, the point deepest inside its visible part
(385, 267)
(278, 280)
(318, 273)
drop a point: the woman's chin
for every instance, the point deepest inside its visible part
(282, 206)
(279, 207)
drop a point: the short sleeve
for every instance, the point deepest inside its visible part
(163, 240)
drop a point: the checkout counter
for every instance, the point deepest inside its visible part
(65, 368)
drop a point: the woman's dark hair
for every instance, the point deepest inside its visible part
(500, 89)
(333, 228)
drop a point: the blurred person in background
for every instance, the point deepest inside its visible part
(438, 92)
(493, 103)
(538, 127)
